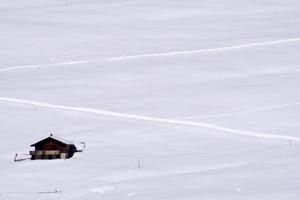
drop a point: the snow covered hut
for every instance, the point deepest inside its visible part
(53, 148)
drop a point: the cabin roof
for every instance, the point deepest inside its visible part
(60, 140)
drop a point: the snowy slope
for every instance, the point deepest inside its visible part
(204, 93)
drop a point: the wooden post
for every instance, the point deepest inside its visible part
(290, 143)
(139, 164)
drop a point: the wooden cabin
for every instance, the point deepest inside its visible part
(53, 148)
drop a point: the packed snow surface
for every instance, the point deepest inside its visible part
(174, 99)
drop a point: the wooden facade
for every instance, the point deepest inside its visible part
(52, 148)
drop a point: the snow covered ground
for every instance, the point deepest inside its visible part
(205, 94)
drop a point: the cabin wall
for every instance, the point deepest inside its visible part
(52, 146)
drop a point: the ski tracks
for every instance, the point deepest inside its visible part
(150, 119)
(146, 118)
(150, 55)
(269, 108)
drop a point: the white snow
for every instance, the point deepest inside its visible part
(204, 96)
(151, 119)
(174, 53)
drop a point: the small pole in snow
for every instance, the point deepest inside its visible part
(66, 3)
(15, 159)
(139, 164)
(290, 143)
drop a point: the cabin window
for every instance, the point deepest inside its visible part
(63, 155)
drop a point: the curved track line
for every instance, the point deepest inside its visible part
(166, 54)
(243, 112)
(151, 119)
(260, 123)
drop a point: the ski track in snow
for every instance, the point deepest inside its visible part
(270, 108)
(259, 123)
(112, 186)
(151, 119)
(167, 54)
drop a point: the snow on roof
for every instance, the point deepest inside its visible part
(55, 138)
(62, 140)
